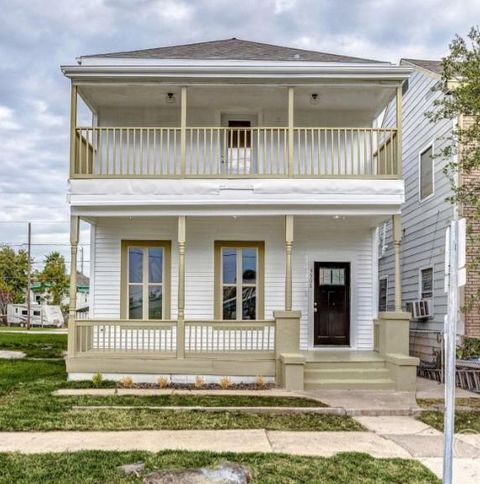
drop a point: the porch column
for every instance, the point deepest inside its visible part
(399, 131)
(74, 230)
(181, 289)
(291, 98)
(73, 128)
(183, 130)
(288, 261)
(397, 239)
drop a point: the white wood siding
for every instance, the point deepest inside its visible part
(316, 239)
(424, 222)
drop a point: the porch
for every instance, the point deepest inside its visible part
(269, 329)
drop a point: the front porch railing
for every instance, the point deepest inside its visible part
(218, 152)
(159, 338)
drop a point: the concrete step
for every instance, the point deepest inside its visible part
(346, 373)
(347, 364)
(350, 384)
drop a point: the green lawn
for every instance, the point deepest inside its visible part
(35, 345)
(464, 421)
(26, 403)
(100, 467)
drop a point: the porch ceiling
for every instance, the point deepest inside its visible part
(369, 99)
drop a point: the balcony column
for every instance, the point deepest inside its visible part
(291, 107)
(399, 131)
(73, 128)
(288, 261)
(74, 231)
(181, 289)
(183, 130)
(397, 239)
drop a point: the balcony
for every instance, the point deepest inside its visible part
(221, 152)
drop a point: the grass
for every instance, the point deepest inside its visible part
(35, 346)
(26, 403)
(473, 403)
(99, 467)
(464, 421)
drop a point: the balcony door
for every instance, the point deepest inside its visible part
(238, 145)
(331, 304)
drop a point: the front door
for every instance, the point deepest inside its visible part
(331, 304)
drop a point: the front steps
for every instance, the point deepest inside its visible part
(344, 370)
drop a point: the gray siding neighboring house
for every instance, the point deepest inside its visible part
(424, 221)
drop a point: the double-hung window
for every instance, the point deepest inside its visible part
(239, 280)
(426, 283)
(145, 280)
(426, 173)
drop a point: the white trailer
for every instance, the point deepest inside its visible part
(40, 315)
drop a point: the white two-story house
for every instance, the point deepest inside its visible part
(233, 190)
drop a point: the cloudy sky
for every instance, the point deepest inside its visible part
(37, 36)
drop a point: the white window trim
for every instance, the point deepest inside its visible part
(386, 293)
(420, 281)
(429, 145)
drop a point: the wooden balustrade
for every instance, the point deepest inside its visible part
(203, 337)
(159, 338)
(259, 152)
(99, 336)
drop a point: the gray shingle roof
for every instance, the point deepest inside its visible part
(233, 49)
(434, 66)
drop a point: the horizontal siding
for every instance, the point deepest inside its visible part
(316, 239)
(424, 222)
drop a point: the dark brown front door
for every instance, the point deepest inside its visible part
(331, 303)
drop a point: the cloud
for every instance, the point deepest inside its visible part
(37, 36)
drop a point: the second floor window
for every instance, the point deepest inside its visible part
(426, 173)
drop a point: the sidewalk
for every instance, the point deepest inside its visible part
(387, 437)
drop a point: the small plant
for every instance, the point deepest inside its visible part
(199, 382)
(97, 380)
(126, 382)
(225, 382)
(261, 381)
(163, 382)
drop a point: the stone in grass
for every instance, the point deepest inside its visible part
(135, 468)
(226, 473)
(12, 355)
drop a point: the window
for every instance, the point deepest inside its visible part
(329, 276)
(239, 280)
(426, 173)
(426, 283)
(145, 280)
(382, 294)
(382, 240)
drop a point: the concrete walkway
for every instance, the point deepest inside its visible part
(387, 437)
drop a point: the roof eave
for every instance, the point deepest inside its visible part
(237, 72)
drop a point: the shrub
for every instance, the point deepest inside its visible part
(225, 382)
(163, 382)
(126, 382)
(199, 382)
(261, 381)
(97, 380)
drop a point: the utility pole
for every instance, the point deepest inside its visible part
(29, 276)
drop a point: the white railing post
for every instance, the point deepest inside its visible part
(181, 288)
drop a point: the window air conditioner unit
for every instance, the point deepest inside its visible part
(421, 309)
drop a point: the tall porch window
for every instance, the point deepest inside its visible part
(145, 279)
(239, 280)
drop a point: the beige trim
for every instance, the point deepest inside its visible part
(73, 126)
(181, 287)
(399, 131)
(167, 274)
(260, 246)
(397, 239)
(74, 236)
(288, 262)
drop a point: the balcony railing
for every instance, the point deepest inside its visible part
(260, 152)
